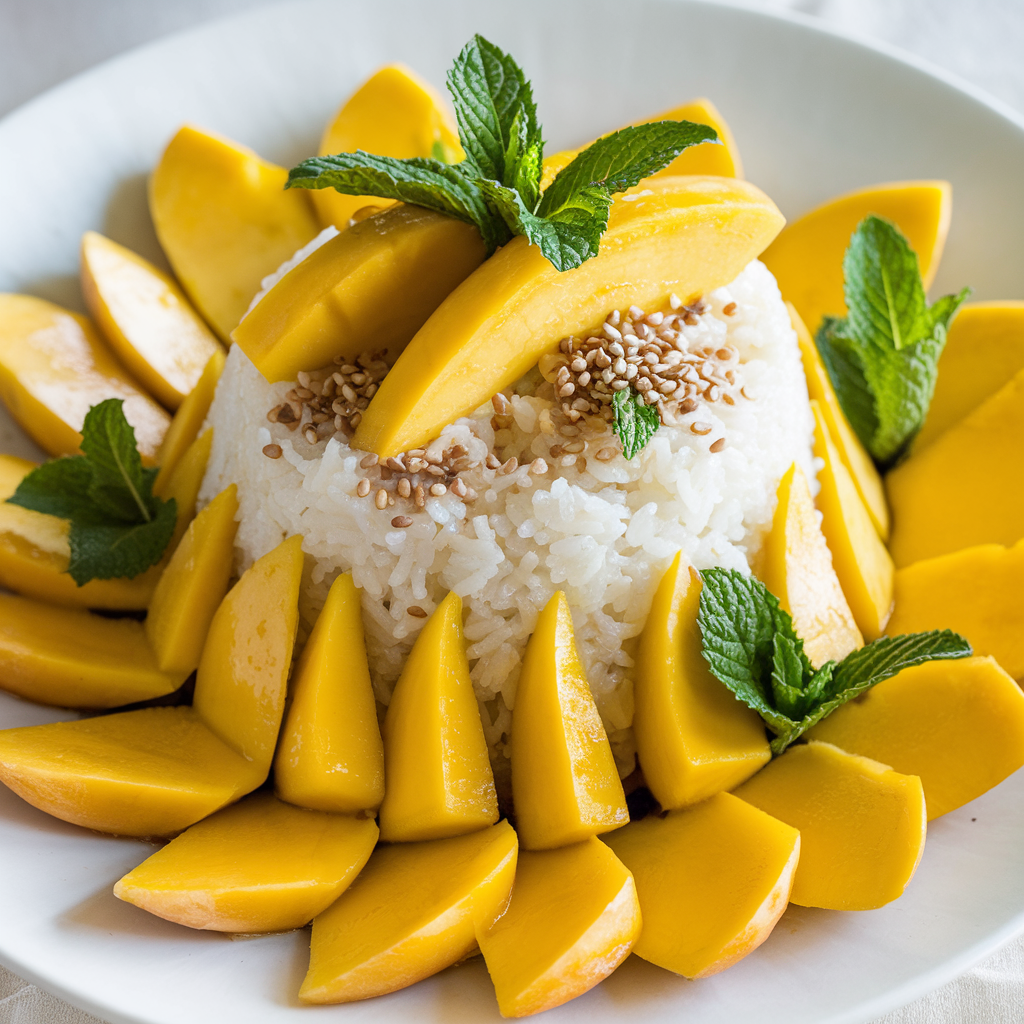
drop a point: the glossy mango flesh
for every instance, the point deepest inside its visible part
(857, 461)
(572, 920)
(862, 825)
(959, 725)
(340, 300)
(712, 880)
(807, 257)
(225, 221)
(330, 756)
(973, 473)
(861, 561)
(975, 592)
(184, 482)
(259, 866)
(564, 782)
(684, 235)
(797, 568)
(393, 113)
(439, 780)
(54, 367)
(146, 318)
(693, 737)
(415, 909)
(984, 349)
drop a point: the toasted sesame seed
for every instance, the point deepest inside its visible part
(606, 454)
(567, 460)
(699, 427)
(395, 464)
(746, 394)
(363, 487)
(458, 488)
(404, 487)
(538, 467)
(380, 499)
(419, 496)
(500, 403)
(272, 451)
(401, 522)
(492, 461)
(438, 490)
(575, 447)
(416, 611)
(729, 309)
(718, 445)
(566, 389)
(510, 466)
(611, 333)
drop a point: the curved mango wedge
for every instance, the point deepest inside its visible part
(54, 367)
(959, 725)
(259, 866)
(415, 909)
(393, 113)
(973, 473)
(340, 300)
(975, 592)
(184, 481)
(331, 757)
(572, 920)
(712, 882)
(146, 318)
(796, 567)
(807, 258)
(439, 780)
(682, 235)
(564, 782)
(693, 737)
(861, 561)
(862, 825)
(225, 221)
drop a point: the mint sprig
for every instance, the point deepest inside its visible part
(750, 645)
(119, 528)
(634, 421)
(497, 186)
(883, 357)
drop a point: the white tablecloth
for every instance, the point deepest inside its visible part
(44, 41)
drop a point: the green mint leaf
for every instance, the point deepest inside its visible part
(59, 487)
(787, 677)
(524, 161)
(846, 372)
(119, 487)
(104, 551)
(635, 422)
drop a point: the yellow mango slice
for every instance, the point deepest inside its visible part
(393, 113)
(959, 725)
(975, 592)
(415, 909)
(693, 737)
(340, 300)
(712, 880)
(564, 782)
(439, 780)
(857, 461)
(683, 235)
(796, 566)
(259, 866)
(984, 349)
(973, 473)
(184, 481)
(862, 825)
(54, 367)
(331, 757)
(225, 221)
(807, 257)
(572, 919)
(146, 318)
(861, 561)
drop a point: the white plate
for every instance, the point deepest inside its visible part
(815, 113)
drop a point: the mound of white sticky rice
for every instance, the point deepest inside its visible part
(604, 535)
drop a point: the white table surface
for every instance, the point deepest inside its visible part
(42, 42)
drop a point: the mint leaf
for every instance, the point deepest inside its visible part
(59, 487)
(846, 372)
(118, 481)
(635, 422)
(106, 551)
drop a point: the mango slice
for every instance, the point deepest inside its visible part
(564, 782)
(693, 737)
(330, 756)
(796, 566)
(862, 825)
(573, 918)
(974, 592)
(184, 482)
(54, 367)
(225, 221)
(393, 113)
(857, 461)
(259, 866)
(807, 257)
(439, 780)
(712, 882)
(959, 725)
(146, 319)
(861, 561)
(682, 235)
(340, 300)
(974, 473)
(415, 909)
(984, 349)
